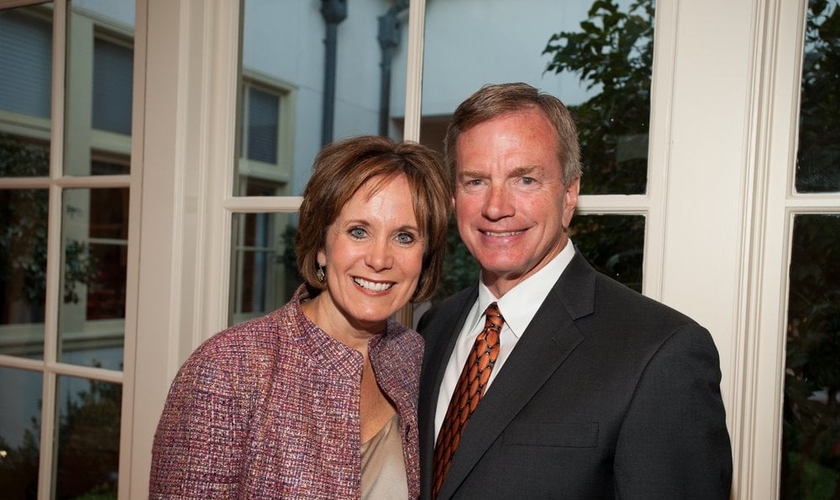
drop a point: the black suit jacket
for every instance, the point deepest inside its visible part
(608, 394)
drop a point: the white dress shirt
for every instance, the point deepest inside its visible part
(518, 307)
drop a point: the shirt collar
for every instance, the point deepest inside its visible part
(520, 304)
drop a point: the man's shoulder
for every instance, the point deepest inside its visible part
(613, 299)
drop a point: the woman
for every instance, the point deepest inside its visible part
(318, 399)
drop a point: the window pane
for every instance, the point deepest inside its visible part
(26, 61)
(265, 273)
(25, 88)
(23, 268)
(811, 431)
(598, 62)
(20, 432)
(112, 83)
(818, 158)
(99, 77)
(94, 239)
(613, 244)
(88, 439)
(263, 112)
(313, 74)
(109, 166)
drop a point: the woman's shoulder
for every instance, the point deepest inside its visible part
(249, 342)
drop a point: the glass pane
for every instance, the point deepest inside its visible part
(100, 72)
(811, 427)
(112, 82)
(25, 89)
(92, 311)
(88, 447)
(20, 432)
(613, 244)
(23, 268)
(318, 73)
(263, 113)
(818, 158)
(265, 272)
(595, 56)
(102, 164)
(26, 61)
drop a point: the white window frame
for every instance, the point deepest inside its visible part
(54, 131)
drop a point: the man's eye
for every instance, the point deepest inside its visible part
(528, 181)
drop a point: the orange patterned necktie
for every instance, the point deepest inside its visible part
(467, 393)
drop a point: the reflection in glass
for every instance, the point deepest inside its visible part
(23, 268)
(26, 62)
(113, 74)
(100, 73)
(613, 244)
(262, 127)
(25, 89)
(298, 82)
(88, 425)
(818, 158)
(811, 426)
(20, 432)
(265, 272)
(95, 242)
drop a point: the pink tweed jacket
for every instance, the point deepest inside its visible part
(269, 409)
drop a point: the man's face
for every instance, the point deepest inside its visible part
(510, 201)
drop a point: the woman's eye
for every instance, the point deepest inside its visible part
(357, 233)
(405, 238)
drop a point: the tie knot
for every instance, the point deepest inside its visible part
(494, 317)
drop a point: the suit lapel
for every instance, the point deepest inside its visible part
(549, 339)
(438, 350)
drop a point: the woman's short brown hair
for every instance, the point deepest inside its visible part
(344, 166)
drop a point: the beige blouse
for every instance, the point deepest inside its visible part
(383, 465)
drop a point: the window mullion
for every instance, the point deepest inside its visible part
(53, 279)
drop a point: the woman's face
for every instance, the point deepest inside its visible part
(373, 254)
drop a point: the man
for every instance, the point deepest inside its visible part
(594, 391)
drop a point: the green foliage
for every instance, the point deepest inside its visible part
(812, 380)
(23, 235)
(23, 230)
(811, 413)
(89, 443)
(613, 244)
(818, 157)
(613, 55)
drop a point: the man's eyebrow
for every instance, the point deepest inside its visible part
(523, 170)
(472, 173)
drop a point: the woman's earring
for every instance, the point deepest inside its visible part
(319, 274)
